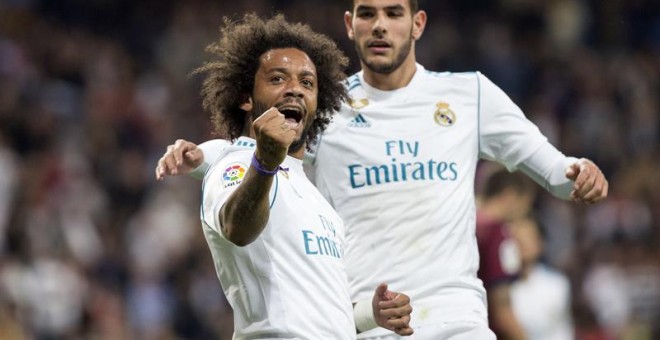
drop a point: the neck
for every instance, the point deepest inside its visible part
(399, 78)
(299, 154)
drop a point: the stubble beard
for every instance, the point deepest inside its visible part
(386, 68)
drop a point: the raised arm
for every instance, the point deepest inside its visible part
(246, 212)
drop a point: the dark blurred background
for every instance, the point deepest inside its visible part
(92, 91)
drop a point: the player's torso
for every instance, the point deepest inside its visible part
(399, 168)
(403, 140)
(292, 278)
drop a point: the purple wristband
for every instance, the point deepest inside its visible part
(263, 171)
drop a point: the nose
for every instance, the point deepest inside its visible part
(378, 29)
(294, 89)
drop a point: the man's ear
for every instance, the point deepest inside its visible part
(348, 21)
(247, 104)
(419, 23)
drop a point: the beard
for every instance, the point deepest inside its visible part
(390, 67)
(298, 143)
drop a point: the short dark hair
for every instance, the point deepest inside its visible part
(501, 180)
(414, 5)
(230, 80)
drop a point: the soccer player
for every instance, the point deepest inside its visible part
(278, 246)
(505, 198)
(398, 164)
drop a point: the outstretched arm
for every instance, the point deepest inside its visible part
(187, 158)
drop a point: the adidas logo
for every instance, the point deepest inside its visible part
(359, 121)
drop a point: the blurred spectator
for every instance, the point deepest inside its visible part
(505, 198)
(541, 297)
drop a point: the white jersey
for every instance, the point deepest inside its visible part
(399, 167)
(542, 304)
(290, 283)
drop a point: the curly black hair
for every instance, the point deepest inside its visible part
(230, 80)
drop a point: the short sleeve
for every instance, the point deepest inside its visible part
(222, 178)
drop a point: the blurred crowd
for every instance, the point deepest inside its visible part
(92, 91)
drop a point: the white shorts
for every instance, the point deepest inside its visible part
(456, 330)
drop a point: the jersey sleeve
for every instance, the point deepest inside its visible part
(220, 181)
(508, 137)
(211, 150)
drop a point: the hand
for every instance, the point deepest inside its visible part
(181, 158)
(274, 136)
(590, 185)
(392, 310)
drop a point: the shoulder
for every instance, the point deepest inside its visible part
(230, 165)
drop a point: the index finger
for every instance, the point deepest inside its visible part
(180, 147)
(268, 115)
(397, 301)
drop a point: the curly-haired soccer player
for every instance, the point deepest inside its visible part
(276, 243)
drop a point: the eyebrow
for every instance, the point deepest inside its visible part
(389, 8)
(286, 70)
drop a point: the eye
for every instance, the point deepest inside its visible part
(395, 14)
(276, 79)
(365, 14)
(307, 83)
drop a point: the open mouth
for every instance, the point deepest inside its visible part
(292, 114)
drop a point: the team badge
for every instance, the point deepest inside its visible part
(233, 174)
(443, 115)
(357, 104)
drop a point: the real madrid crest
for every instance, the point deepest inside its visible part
(357, 104)
(443, 115)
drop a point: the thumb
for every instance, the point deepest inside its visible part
(572, 171)
(381, 291)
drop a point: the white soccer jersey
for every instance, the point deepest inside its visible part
(399, 167)
(290, 283)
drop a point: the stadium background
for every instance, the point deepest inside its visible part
(91, 92)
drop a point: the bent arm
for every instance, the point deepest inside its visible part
(246, 212)
(547, 167)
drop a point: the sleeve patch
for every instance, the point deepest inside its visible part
(233, 174)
